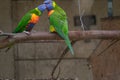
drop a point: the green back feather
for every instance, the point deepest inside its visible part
(60, 10)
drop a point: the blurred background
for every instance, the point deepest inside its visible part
(27, 61)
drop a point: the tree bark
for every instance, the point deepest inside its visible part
(51, 37)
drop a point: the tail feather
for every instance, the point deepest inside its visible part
(67, 41)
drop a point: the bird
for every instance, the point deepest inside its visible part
(58, 21)
(28, 21)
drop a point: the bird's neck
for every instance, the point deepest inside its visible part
(38, 12)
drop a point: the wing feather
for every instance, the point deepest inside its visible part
(60, 23)
(23, 23)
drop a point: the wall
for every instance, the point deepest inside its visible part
(105, 65)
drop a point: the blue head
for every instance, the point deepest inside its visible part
(49, 4)
(42, 7)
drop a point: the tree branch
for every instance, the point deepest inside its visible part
(74, 35)
(7, 34)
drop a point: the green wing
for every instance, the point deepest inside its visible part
(59, 20)
(61, 27)
(23, 23)
(60, 23)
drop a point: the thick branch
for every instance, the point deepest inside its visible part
(74, 35)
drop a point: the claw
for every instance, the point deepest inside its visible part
(1, 32)
(26, 32)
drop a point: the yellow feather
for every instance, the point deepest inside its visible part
(54, 4)
(52, 29)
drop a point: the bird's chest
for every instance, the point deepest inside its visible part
(50, 13)
(34, 18)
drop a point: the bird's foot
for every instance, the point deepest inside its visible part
(1, 32)
(26, 32)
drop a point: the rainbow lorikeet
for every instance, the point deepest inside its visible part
(58, 21)
(29, 20)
